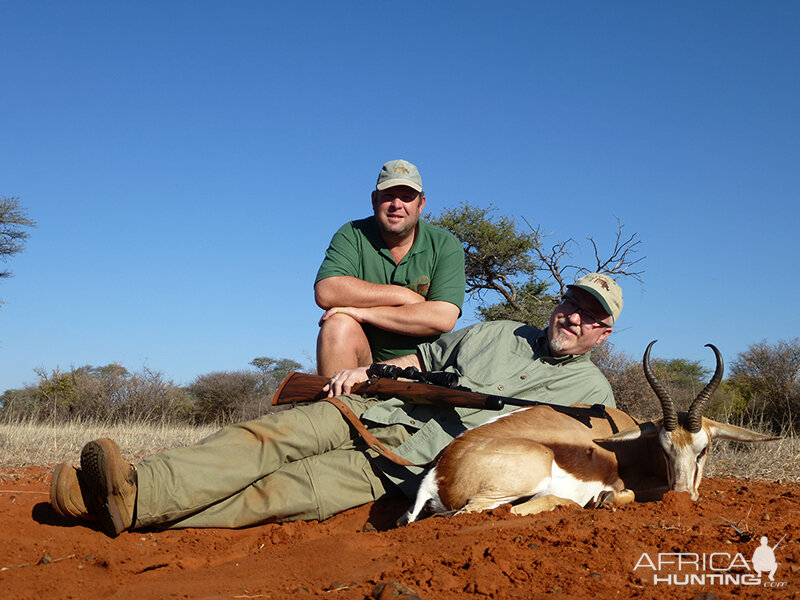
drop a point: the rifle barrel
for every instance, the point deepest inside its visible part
(779, 541)
(302, 387)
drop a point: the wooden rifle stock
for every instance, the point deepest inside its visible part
(302, 387)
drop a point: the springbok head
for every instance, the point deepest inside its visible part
(685, 437)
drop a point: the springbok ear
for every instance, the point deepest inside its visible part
(642, 430)
(723, 431)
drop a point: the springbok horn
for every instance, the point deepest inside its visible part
(695, 420)
(667, 406)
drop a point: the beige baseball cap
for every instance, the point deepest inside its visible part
(605, 289)
(399, 172)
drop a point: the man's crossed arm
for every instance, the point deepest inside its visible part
(390, 307)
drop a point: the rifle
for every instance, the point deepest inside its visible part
(779, 541)
(302, 387)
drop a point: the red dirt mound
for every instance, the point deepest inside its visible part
(670, 549)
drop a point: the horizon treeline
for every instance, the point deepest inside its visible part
(762, 389)
(111, 393)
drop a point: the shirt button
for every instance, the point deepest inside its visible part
(413, 422)
(523, 376)
(500, 387)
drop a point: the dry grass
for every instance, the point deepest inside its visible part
(766, 461)
(29, 443)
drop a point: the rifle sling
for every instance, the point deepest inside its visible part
(375, 445)
(595, 410)
(371, 440)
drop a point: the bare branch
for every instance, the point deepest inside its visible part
(509, 292)
(552, 260)
(527, 275)
(621, 260)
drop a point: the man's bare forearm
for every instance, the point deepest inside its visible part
(351, 291)
(424, 318)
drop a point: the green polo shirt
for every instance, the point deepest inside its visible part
(434, 268)
(497, 357)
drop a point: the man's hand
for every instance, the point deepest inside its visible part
(343, 381)
(351, 311)
(431, 317)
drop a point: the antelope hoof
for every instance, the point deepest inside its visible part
(612, 498)
(605, 498)
(541, 504)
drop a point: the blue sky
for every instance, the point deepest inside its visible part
(188, 162)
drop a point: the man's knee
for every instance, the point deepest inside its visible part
(342, 479)
(341, 344)
(342, 329)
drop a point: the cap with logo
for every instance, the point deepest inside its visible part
(399, 172)
(605, 289)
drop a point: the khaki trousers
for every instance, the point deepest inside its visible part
(303, 463)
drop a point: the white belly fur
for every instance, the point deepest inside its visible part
(565, 485)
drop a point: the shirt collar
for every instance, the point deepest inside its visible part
(420, 242)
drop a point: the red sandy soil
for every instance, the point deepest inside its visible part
(567, 553)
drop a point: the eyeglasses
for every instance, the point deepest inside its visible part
(569, 304)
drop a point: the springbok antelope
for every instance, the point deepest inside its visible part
(548, 458)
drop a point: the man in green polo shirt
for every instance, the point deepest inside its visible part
(310, 463)
(388, 282)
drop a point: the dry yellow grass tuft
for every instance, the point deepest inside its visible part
(29, 443)
(766, 461)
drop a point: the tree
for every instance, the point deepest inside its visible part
(767, 378)
(234, 396)
(682, 378)
(227, 396)
(502, 260)
(275, 370)
(108, 393)
(13, 220)
(626, 377)
(498, 258)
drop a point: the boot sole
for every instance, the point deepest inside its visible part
(96, 464)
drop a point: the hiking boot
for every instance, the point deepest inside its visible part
(110, 485)
(67, 493)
